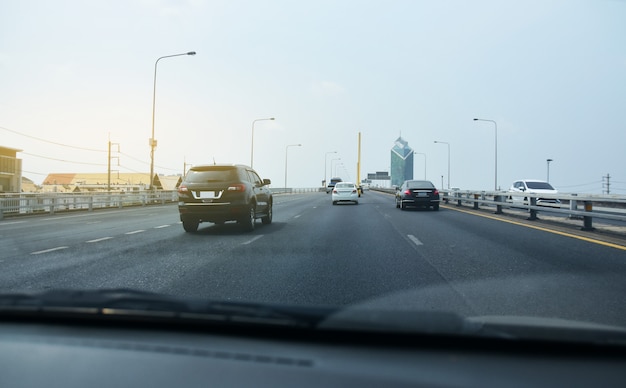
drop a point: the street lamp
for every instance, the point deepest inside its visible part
(548, 162)
(448, 144)
(331, 167)
(252, 142)
(420, 153)
(326, 166)
(496, 143)
(152, 140)
(286, 149)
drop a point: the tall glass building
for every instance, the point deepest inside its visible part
(401, 162)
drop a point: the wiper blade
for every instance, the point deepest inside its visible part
(133, 304)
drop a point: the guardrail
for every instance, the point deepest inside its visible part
(36, 203)
(574, 206)
(40, 203)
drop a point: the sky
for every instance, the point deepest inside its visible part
(76, 75)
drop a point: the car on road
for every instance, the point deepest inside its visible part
(417, 193)
(533, 187)
(345, 192)
(332, 183)
(224, 192)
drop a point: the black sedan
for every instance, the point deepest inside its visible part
(417, 194)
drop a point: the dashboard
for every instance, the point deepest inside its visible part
(69, 354)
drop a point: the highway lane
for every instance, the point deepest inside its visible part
(370, 255)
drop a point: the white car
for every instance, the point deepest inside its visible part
(345, 192)
(533, 187)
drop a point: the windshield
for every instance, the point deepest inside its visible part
(539, 185)
(211, 175)
(419, 185)
(107, 107)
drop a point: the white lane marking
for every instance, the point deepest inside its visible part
(252, 240)
(99, 239)
(48, 250)
(135, 231)
(297, 216)
(93, 222)
(162, 226)
(11, 223)
(415, 240)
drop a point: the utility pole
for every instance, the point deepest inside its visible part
(606, 184)
(109, 163)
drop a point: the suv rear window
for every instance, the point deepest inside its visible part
(214, 174)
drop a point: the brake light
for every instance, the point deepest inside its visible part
(407, 192)
(182, 189)
(353, 191)
(237, 187)
(335, 191)
(436, 192)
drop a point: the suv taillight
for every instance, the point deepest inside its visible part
(407, 192)
(436, 192)
(237, 187)
(182, 189)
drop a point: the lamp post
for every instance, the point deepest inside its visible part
(331, 167)
(252, 142)
(548, 162)
(286, 149)
(496, 152)
(448, 144)
(420, 153)
(326, 166)
(152, 140)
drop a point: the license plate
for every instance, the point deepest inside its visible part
(422, 194)
(208, 194)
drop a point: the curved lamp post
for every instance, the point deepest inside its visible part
(152, 140)
(286, 149)
(448, 144)
(252, 142)
(326, 166)
(548, 162)
(496, 144)
(421, 153)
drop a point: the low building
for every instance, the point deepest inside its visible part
(10, 170)
(82, 182)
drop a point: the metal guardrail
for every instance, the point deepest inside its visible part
(38, 203)
(574, 206)
(14, 204)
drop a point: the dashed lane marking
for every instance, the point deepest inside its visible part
(252, 240)
(415, 240)
(135, 231)
(99, 239)
(48, 250)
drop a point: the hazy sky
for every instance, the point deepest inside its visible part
(552, 74)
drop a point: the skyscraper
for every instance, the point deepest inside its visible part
(401, 162)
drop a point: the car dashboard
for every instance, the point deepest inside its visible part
(78, 354)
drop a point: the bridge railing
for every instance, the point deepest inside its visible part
(36, 203)
(585, 207)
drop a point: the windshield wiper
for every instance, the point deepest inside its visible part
(141, 305)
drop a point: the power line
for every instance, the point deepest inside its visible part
(51, 142)
(64, 161)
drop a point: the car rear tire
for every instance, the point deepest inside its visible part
(334, 202)
(190, 226)
(356, 202)
(268, 218)
(397, 204)
(402, 206)
(436, 207)
(247, 222)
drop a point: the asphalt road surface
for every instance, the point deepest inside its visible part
(370, 255)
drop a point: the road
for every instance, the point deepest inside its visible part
(370, 255)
